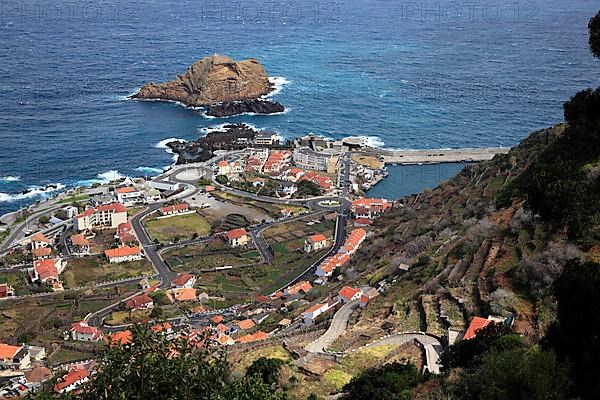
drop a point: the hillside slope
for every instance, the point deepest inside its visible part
(473, 248)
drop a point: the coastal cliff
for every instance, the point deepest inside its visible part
(213, 80)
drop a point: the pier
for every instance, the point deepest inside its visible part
(439, 156)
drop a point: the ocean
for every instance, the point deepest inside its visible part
(414, 75)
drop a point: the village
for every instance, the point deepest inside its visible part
(249, 246)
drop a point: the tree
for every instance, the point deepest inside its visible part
(594, 28)
(222, 179)
(574, 335)
(266, 368)
(393, 381)
(308, 189)
(152, 367)
(469, 353)
(517, 375)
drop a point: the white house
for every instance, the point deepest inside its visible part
(315, 243)
(105, 216)
(183, 281)
(123, 254)
(349, 294)
(237, 237)
(129, 195)
(313, 312)
(82, 332)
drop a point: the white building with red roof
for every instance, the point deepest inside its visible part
(140, 302)
(39, 240)
(313, 312)
(46, 271)
(223, 167)
(300, 287)
(72, 380)
(82, 332)
(237, 237)
(183, 281)
(369, 208)
(101, 217)
(129, 195)
(174, 209)
(348, 294)
(123, 254)
(315, 243)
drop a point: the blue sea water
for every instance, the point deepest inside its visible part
(404, 180)
(425, 74)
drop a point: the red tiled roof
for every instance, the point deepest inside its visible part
(84, 328)
(303, 286)
(139, 300)
(236, 233)
(72, 377)
(7, 351)
(46, 268)
(348, 292)
(222, 328)
(40, 237)
(217, 319)
(317, 238)
(175, 208)
(363, 221)
(259, 335)
(122, 251)
(246, 324)
(122, 337)
(128, 189)
(166, 326)
(313, 308)
(41, 252)
(477, 323)
(182, 279)
(114, 207)
(79, 240)
(223, 163)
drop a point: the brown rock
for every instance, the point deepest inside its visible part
(213, 79)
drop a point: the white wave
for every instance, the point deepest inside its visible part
(128, 96)
(163, 143)
(31, 192)
(103, 178)
(278, 82)
(10, 178)
(150, 171)
(373, 141)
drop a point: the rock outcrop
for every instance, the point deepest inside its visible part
(243, 107)
(230, 137)
(214, 79)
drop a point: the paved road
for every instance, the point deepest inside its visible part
(164, 272)
(17, 233)
(433, 347)
(338, 325)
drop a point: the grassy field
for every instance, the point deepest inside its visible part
(89, 270)
(209, 255)
(273, 210)
(181, 227)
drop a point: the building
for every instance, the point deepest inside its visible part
(39, 240)
(101, 199)
(267, 138)
(313, 312)
(82, 332)
(123, 254)
(245, 324)
(125, 233)
(362, 222)
(72, 380)
(183, 281)
(129, 195)
(14, 357)
(46, 271)
(300, 287)
(80, 244)
(175, 209)
(307, 158)
(324, 182)
(315, 243)
(182, 294)
(6, 290)
(237, 237)
(478, 323)
(349, 294)
(105, 216)
(329, 265)
(369, 208)
(140, 302)
(276, 161)
(258, 335)
(287, 188)
(353, 241)
(119, 338)
(41, 252)
(223, 167)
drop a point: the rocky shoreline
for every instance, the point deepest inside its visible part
(254, 106)
(230, 137)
